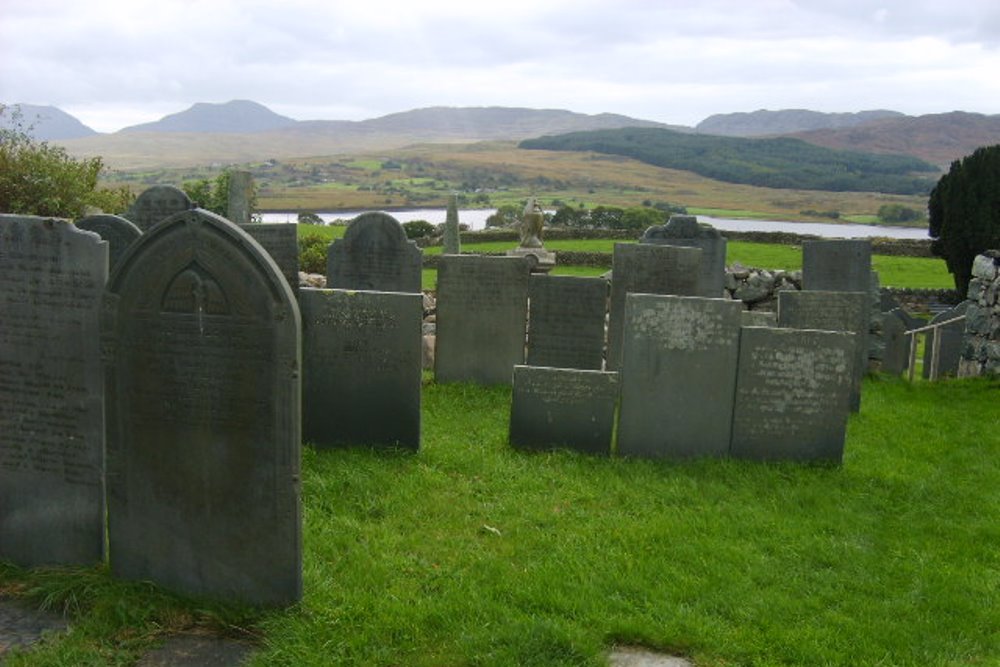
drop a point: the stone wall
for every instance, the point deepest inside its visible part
(981, 344)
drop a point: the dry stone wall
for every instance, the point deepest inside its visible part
(981, 344)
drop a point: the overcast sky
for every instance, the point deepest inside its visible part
(118, 63)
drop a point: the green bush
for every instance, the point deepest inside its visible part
(417, 229)
(895, 213)
(312, 253)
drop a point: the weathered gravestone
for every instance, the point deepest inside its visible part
(560, 407)
(239, 207)
(51, 388)
(566, 321)
(203, 340)
(949, 341)
(119, 232)
(792, 394)
(685, 230)
(831, 311)
(838, 265)
(896, 355)
(758, 318)
(647, 269)
(374, 255)
(452, 242)
(482, 308)
(158, 203)
(678, 375)
(281, 242)
(362, 367)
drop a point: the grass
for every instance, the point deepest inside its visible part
(469, 553)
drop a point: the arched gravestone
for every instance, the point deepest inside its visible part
(374, 255)
(51, 387)
(158, 203)
(119, 232)
(686, 231)
(203, 404)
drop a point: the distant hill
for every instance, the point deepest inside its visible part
(46, 123)
(937, 138)
(774, 163)
(236, 117)
(785, 121)
(151, 145)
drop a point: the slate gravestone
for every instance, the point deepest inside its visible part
(566, 321)
(560, 407)
(374, 255)
(203, 406)
(685, 230)
(51, 387)
(950, 347)
(452, 242)
(839, 265)
(239, 207)
(792, 394)
(896, 356)
(158, 203)
(281, 242)
(647, 269)
(482, 308)
(362, 367)
(678, 375)
(887, 300)
(119, 232)
(909, 320)
(831, 311)
(758, 318)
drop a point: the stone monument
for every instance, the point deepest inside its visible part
(375, 255)
(452, 239)
(531, 249)
(119, 232)
(566, 321)
(157, 203)
(685, 230)
(240, 197)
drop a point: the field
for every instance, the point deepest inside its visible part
(470, 553)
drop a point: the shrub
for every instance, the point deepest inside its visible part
(312, 253)
(417, 229)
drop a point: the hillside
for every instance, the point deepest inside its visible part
(46, 123)
(774, 163)
(764, 122)
(236, 117)
(936, 138)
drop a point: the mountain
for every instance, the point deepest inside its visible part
(236, 117)
(46, 123)
(785, 121)
(937, 138)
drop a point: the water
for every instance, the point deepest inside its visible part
(475, 218)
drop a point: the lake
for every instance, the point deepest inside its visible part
(475, 218)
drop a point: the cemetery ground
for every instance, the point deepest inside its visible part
(471, 553)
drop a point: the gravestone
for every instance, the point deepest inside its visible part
(482, 308)
(559, 407)
(678, 376)
(792, 394)
(51, 387)
(647, 269)
(374, 255)
(239, 207)
(566, 321)
(838, 265)
(361, 369)
(950, 347)
(909, 320)
(158, 203)
(119, 232)
(452, 239)
(685, 230)
(896, 356)
(281, 242)
(831, 311)
(203, 339)
(758, 318)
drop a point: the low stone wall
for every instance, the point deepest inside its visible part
(981, 344)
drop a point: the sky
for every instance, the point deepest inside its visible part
(118, 63)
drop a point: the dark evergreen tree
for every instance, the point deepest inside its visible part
(964, 212)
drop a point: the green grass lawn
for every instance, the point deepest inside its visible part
(469, 553)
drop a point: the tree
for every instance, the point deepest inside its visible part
(416, 229)
(37, 178)
(964, 212)
(505, 216)
(897, 213)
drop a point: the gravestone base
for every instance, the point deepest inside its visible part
(539, 260)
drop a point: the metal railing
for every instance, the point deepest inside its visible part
(934, 336)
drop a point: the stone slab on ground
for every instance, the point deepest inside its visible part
(632, 656)
(21, 625)
(188, 650)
